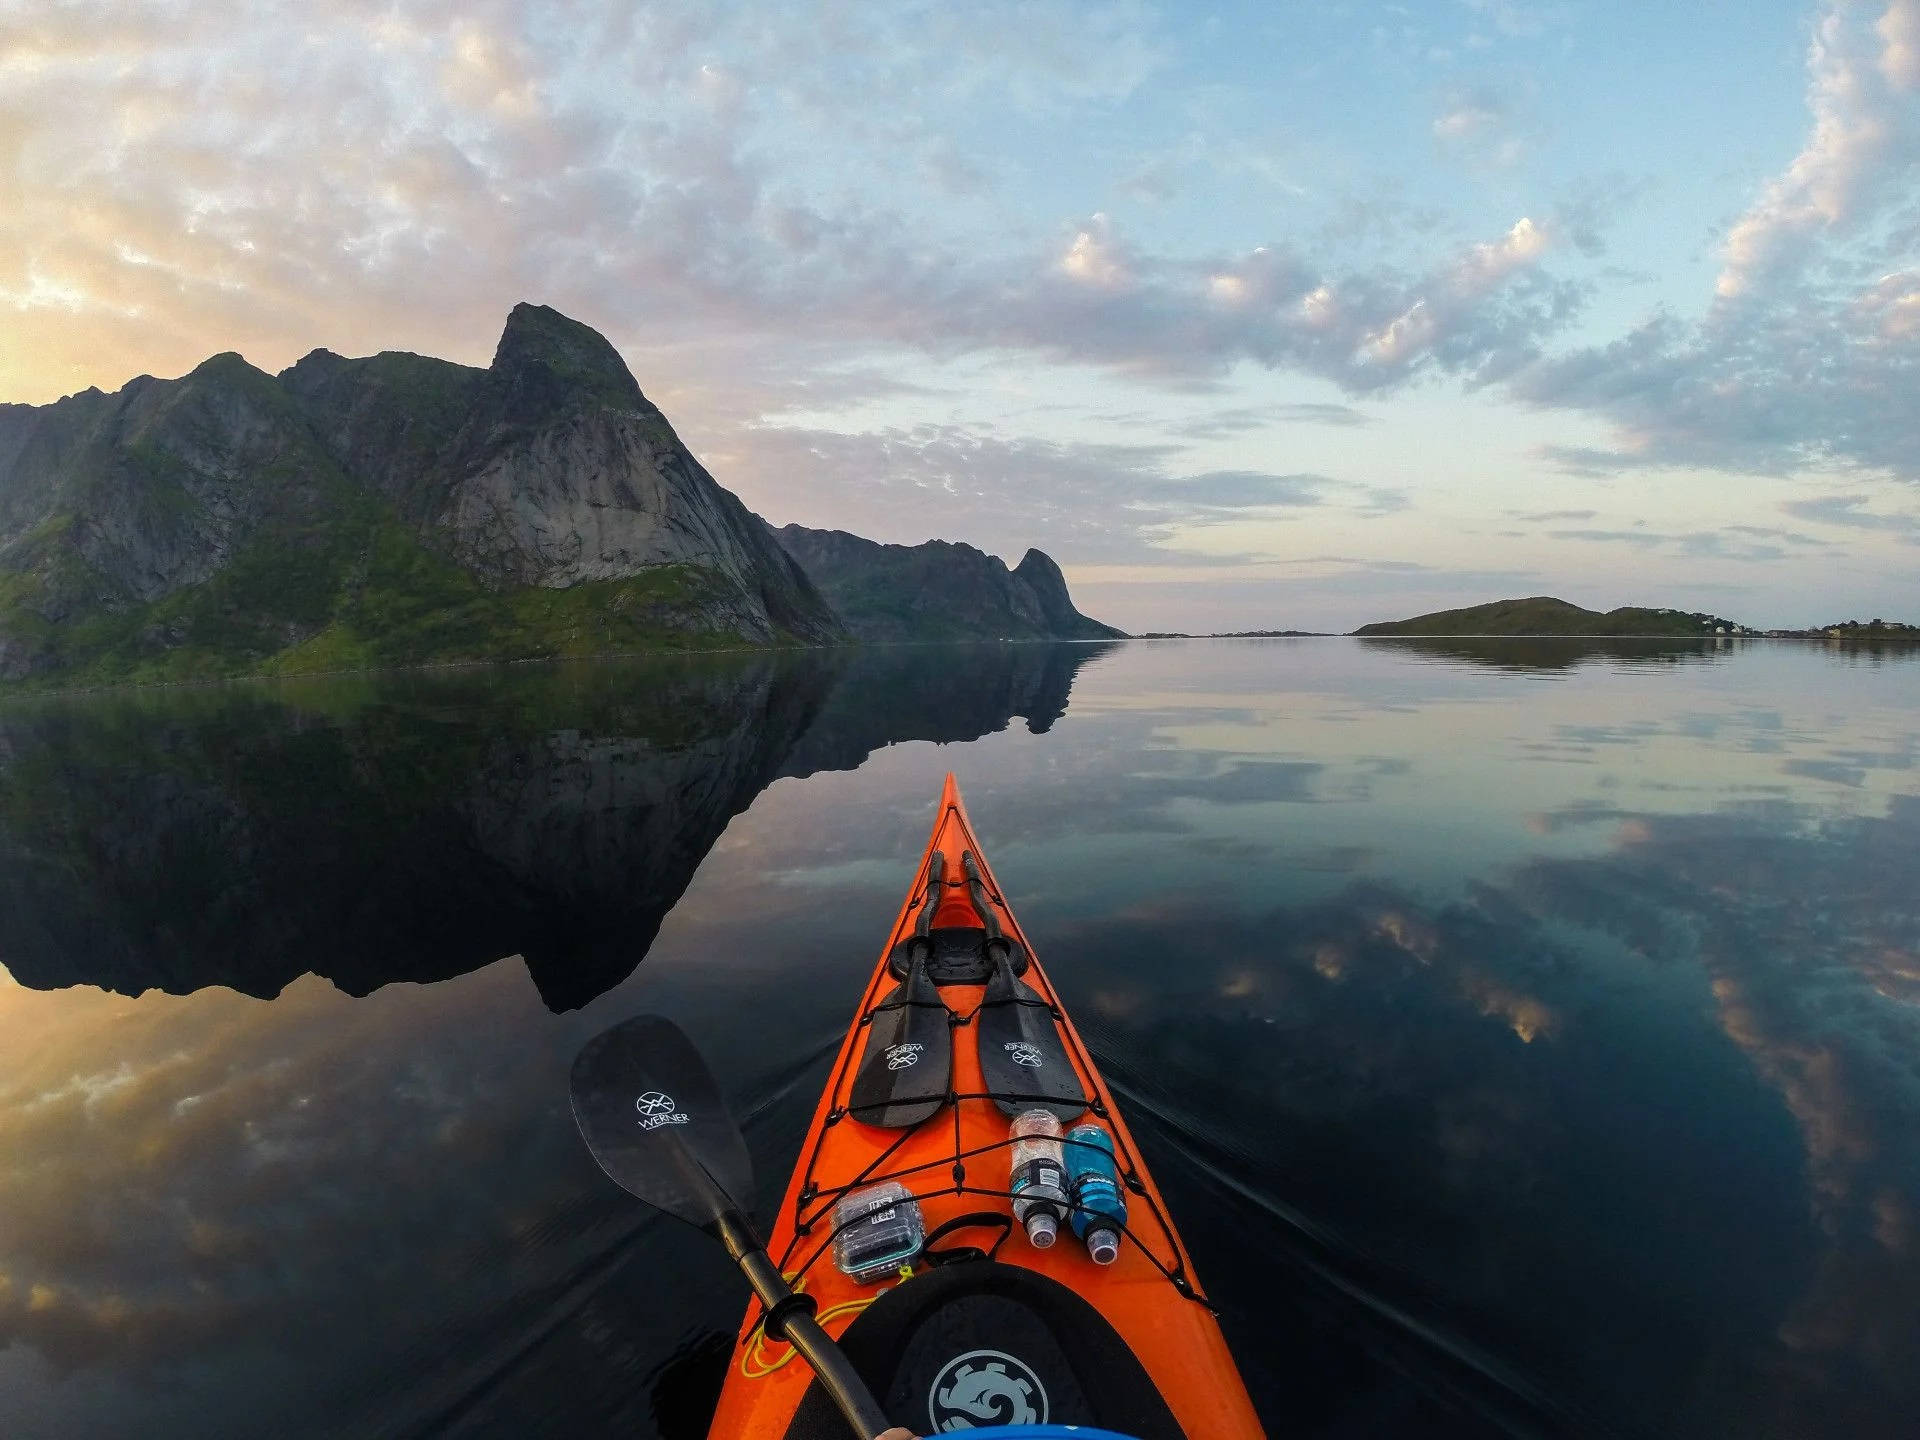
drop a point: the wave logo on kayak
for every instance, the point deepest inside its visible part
(985, 1387)
(1021, 1053)
(656, 1109)
(899, 1057)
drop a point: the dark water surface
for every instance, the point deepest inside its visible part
(1527, 1036)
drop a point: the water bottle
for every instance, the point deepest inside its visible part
(1039, 1179)
(1093, 1185)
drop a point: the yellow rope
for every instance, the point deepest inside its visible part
(754, 1364)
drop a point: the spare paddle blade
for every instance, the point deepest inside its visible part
(1022, 1061)
(906, 1070)
(652, 1115)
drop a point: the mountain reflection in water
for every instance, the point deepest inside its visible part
(1517, 1057)
(416, 827)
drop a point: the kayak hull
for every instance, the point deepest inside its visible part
(953, 1345)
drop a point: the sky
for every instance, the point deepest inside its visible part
(1260, 316)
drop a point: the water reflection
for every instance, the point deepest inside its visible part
(1552, 652)
(416, 827)
(1808, 932)
(1517, 1058)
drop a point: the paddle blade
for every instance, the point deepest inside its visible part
(905, 1071)
(1022, 1062)
(652, 1115)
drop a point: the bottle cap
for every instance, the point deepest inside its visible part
(1042, 1230)
(1036, 1122)
(1103, 1245)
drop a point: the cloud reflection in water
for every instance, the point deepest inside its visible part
(1570, 1026)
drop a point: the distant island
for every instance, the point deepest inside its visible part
(398, 510)
(1857, 631)
(1543, 615)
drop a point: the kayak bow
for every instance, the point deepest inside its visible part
(981, 1328)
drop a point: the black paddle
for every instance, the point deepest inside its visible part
(651, 1114)
(906, 1070)
(1020, 1051)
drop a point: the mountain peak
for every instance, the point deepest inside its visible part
(1042, 576)
(938, 590)
(548, 359)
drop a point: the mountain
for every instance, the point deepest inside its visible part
(1544, 615)
(938, 590)
(388, 510)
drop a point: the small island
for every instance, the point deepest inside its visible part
(1858, 632)
(1545, 615)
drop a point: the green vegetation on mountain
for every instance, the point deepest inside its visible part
(400, 509)
(1544, 615)
(355, 513)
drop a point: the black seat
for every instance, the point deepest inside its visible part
(959, 956)
(990, 1344)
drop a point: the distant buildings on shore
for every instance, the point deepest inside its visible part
(1854, 630)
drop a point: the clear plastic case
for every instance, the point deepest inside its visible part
(879, 1229)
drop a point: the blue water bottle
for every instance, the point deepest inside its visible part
(1093, 1187)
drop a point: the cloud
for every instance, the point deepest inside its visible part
(1096, 258)
(1845, 511)
(1731, 542)
(189, 182)
(1803, 357)
(1097, 502)
(1487, 265)
(398, 177)
(1344, 415)
(1384, 500)
(1481, 126)
(1899, 30)
(1853, 94)
(1480, 314)
(1243, 418)
(1466, 118)
(1243, 490)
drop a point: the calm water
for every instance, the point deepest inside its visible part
(1527, 1037)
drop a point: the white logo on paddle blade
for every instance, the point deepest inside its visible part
(985, 1387)
(899, 1057)
(1021, 1053)
(656, 1109)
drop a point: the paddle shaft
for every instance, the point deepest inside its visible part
(997, 942)
(843, 1384)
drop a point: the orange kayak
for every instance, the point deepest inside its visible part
(980, 1326)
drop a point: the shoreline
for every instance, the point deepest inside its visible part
(9, 692)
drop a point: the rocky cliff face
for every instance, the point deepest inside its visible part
(549, 468)
(374, 511)
(938, 590)
(110, 503)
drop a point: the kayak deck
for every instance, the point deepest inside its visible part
(993, 1330)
